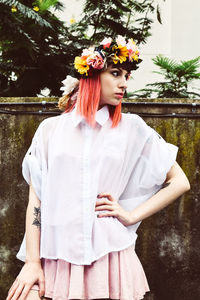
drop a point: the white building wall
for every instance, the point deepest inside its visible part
(185, 34)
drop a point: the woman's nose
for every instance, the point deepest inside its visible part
(123, 83)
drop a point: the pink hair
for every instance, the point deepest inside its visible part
(88, 101)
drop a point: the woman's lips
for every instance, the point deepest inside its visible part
(119, 95)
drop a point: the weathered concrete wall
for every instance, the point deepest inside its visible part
(168, 243)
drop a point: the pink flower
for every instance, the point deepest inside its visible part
(106, 42)
(132, 50)
(96, 61)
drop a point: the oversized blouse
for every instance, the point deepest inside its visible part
(69, 163)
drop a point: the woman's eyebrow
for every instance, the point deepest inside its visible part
(121, 69)
(115, 68)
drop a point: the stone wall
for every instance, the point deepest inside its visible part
(168, 243)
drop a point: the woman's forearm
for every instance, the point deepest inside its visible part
(33, 228)
(31, 271)
(175, 185)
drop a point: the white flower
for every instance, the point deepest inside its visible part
(106, 41)
(70, 83)
(121, 40)
(87, 52)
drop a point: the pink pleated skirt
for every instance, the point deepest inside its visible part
(117, 275)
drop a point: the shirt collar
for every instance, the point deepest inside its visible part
(102, 115)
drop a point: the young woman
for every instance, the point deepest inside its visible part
(94, 175)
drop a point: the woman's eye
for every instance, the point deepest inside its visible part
(115, 73)
(128, 76)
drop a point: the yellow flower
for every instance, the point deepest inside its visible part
(36, 8)
(14, 9)
(121, 53)
(72, 21)
(81, 65)
(135, 56)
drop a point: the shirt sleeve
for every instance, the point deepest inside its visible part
(156, 160)
(148, 173)
(32, 163)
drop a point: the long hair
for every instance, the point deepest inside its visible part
(88, 99)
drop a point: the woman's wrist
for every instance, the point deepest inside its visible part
(33, 260)
(133, 217)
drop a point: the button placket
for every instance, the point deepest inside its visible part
(86, 190)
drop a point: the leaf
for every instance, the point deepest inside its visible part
(45, 4)
(158, 14)
(119, 5)
(177, 76)
(26, 11)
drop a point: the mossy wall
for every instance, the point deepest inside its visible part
(169, 242)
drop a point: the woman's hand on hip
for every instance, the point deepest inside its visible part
(30, 274)
(113, 209)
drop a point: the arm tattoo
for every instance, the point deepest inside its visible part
(37, 214)
(165, 184)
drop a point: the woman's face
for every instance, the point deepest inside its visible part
(113, 85)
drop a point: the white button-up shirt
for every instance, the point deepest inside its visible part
(69, 163)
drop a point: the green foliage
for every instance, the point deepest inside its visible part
(129, 18)
(24, 10)
(45, 4)
(37, 50)
(33, 56)
(176, 79)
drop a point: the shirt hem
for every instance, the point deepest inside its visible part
(22, 257)
(111, 296)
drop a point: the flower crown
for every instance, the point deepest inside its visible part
(96, 58)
